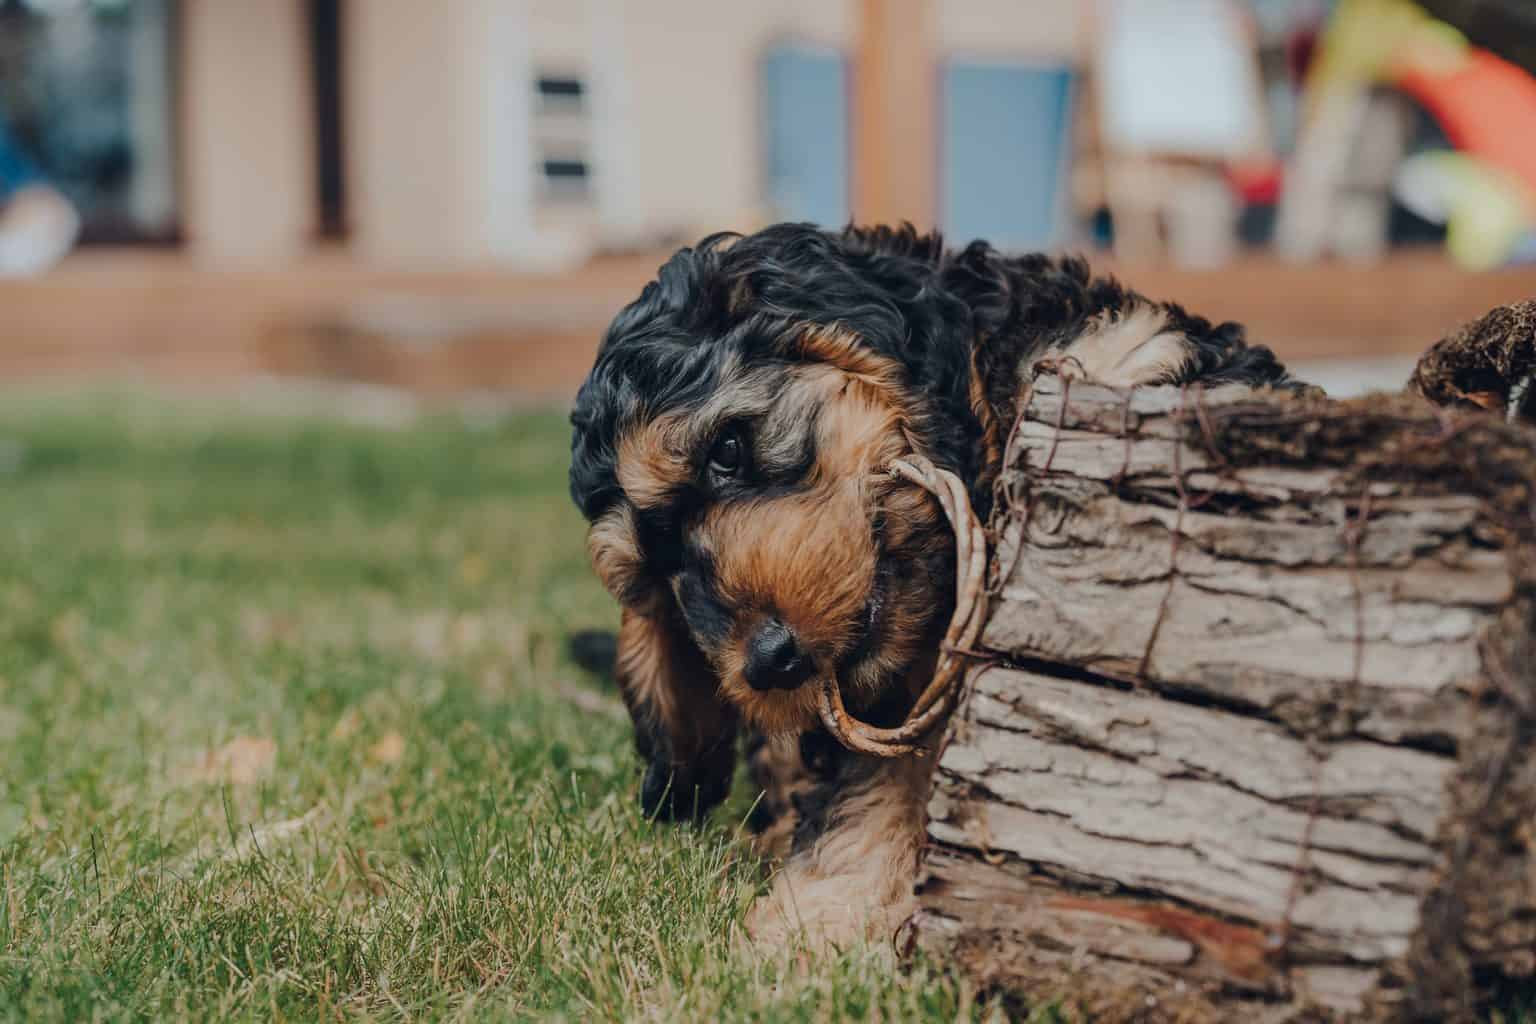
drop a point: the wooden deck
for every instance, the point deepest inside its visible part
(162, 317)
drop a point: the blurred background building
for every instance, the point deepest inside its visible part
(474, 132)
(397, 168)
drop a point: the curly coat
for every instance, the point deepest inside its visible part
(728, 451)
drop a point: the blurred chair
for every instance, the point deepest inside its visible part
(1179, 101)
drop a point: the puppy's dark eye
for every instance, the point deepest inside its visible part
(728, 454)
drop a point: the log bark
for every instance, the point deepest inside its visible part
(1251, 730)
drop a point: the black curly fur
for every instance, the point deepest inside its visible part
(903, 294)
(938, 313)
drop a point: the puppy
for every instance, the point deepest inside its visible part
(729, 451)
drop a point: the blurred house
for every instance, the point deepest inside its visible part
(325, 145)
(462, 133)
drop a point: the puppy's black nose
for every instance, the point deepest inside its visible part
(774, 660)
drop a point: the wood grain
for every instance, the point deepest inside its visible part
(1213, 767)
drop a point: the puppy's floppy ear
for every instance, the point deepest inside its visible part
(684, 732)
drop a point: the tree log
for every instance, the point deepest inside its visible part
(1249, 730)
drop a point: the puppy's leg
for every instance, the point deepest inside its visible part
(855, 861)
(787, 771)
(684, 733)
(779, 776)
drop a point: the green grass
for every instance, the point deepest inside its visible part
(430, 826)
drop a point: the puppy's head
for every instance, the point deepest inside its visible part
(731, 452)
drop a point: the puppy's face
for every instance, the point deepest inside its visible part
(755, 537)
(767, 518)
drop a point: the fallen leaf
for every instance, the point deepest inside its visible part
(347, 725)
(242, 761)
(389, 749)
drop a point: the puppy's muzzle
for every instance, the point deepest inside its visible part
(775, 660)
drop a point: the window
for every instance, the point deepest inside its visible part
(86, 88)
(560, 90)
(565, 169)
(806, 133)
(562, 135)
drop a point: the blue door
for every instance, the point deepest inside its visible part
(1006, 137)
(805, 117)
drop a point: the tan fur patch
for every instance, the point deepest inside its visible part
(809, 560)
(858, 430)
(653, 461)
(614, 551)
(1134, 348)
(846, 351)
(778, 768)
(660, 669)
(856, 881)
(809, 557)
(991, 432)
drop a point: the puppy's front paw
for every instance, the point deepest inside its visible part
(781, 776)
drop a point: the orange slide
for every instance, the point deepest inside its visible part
(1485, 105)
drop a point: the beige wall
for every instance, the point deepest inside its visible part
(437, 98)
(699, 167)
(247, 148)
(1047, 29)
